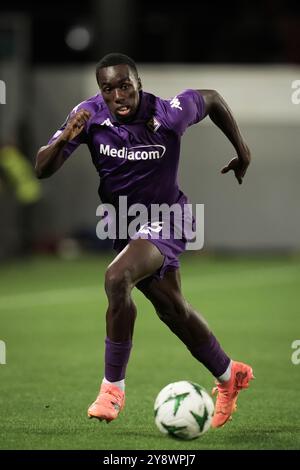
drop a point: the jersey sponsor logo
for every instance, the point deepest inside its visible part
(140, 152)
(107, 122)
(175, 103)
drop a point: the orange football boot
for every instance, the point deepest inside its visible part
(108, 404)
(241, 374)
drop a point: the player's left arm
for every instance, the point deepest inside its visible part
(219, 112)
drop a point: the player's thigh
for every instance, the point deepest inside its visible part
(164, 294)
(138, 260)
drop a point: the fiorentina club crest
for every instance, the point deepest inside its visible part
(153, 124)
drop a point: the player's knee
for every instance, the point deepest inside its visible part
(117, 281)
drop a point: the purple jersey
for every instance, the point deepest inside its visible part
(138, 159)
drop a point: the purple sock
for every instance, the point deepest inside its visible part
(116, 358)
(212, 356)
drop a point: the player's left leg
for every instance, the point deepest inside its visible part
(189, 326)
(137, 260)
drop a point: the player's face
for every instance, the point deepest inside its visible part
(120, 90)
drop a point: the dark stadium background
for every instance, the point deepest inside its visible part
(234, 32)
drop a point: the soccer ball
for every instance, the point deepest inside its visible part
(184, 410)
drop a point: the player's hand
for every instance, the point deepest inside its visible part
(239, 166)
(75, 124)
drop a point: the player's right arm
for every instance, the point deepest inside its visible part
(52, 156)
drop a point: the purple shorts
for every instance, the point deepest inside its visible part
(170, 239)
(169, 233)
(169, 248)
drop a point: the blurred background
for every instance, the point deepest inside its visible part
(248, 51)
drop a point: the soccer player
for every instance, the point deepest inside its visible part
(134, 141)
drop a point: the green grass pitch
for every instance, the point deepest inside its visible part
(52, 319)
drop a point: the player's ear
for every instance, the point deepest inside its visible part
(139, 84)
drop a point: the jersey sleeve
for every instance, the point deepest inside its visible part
(184, 110)
(79, 139)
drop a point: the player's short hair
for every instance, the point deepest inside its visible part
(115, 58)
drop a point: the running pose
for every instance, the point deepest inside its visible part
(134, 141)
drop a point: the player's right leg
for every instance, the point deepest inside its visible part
(189, 326)
(138, 260)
